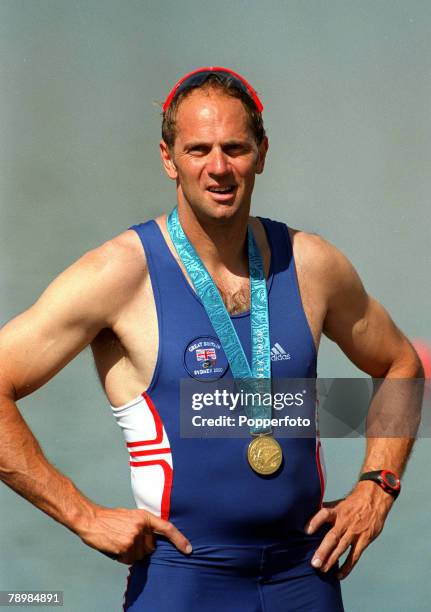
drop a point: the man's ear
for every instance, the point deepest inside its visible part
(263, 149)
(167, 161)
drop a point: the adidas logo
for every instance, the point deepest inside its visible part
(278, 353)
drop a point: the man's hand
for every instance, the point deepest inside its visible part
(128, 535)
(356, 521)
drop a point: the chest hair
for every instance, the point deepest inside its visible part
(237, 301)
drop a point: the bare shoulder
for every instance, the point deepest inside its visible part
(81, 301)
(112, 272)
(329, 284)
(93, 289)
(120, 260)
(321, 261)
(312, 249)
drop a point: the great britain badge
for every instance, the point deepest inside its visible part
(204, 359)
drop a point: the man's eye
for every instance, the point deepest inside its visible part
(235, 149)
(198, 150)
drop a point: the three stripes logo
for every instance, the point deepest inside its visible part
(278, 353)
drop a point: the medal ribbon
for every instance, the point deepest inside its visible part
(221, 321)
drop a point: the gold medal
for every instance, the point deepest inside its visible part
(264, 455)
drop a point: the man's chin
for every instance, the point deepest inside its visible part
(218, 211)
(209, 209)
(224, 209)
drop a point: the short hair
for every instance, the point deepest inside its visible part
(223, 84)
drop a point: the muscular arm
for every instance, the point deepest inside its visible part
(366, 334)
(84, 299)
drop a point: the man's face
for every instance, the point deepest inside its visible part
(215, 157)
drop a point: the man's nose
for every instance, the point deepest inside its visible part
(218, 163)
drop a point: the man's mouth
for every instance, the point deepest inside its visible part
(223, 190)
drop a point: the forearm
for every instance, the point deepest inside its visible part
(387, 454)
(393, 420)
(394, 417)
(25, 469)
(122, 534)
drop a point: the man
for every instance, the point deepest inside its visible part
(260, 542)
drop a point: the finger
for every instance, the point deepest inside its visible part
(327, 545)
(352, 558)
(347, 566)
(325, 515)
(343, 545)
(169, 530)
(142, 546)
(146, 545)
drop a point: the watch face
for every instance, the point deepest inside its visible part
(391, 480)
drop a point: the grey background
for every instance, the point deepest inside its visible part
(346, 87)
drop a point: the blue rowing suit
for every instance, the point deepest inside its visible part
(250, 551)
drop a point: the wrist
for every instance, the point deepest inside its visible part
(373, 495)
(386, 480)
(80, 514)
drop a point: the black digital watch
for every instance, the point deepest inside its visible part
(387, 480)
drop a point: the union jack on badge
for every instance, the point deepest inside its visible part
(206, 354)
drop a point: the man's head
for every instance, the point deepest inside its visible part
(213, 142)
(226, 82)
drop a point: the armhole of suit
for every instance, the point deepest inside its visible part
(297, 289)
(158, 305)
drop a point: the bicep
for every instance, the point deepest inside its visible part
(359, 324)
(38, 343)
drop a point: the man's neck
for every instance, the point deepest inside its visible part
(221, 244)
